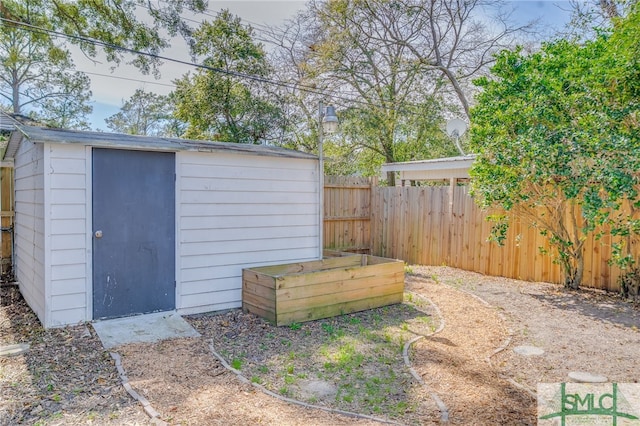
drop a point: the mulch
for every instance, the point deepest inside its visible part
(68, 378)
(188, 386)
(456, 364)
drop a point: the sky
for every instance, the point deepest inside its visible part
(112, 86)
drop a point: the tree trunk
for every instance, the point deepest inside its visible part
(391, 178)
(575, 272)
(386, 141)
(15, 88)
(462, 97)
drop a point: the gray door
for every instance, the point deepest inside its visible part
(133, 232)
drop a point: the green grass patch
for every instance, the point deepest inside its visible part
(359, 354)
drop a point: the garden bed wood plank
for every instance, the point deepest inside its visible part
(328, 276)
(337, 286)
(259, 309)
(258, 290)
(337, 309)
(320, 301)
(314, 265)
(319, 289)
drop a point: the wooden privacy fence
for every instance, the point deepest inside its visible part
(347, 213)
(6, 217)
(441, 225)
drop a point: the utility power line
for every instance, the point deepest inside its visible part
(245, 76)
(252, 77)
(127, 79)
(216, 14)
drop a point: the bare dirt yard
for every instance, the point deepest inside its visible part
(462, 366)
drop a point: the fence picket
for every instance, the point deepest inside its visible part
(436, 225)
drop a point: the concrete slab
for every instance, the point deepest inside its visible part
(143, 329)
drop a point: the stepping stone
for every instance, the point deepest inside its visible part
(585, 377)
(318, 389)
(528, 350)
(14, 350)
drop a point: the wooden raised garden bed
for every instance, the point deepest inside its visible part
(305, 291)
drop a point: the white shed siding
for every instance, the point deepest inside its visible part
(66, 225)
(29, 225)
(235, 211)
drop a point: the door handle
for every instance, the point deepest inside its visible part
(98, 234)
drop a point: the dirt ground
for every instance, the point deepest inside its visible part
(66, 378)
(588, 330)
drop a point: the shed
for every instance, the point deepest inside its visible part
(110, 225)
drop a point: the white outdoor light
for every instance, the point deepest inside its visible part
(329, 120)
(327, 123)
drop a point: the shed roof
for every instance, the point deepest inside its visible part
(9, 121)
(149, 143)
(437, 168)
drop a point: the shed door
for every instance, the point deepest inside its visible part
(133, 232)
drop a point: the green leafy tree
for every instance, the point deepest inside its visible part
(620, 75)
(145, 113)
(37, 75)
(219, 103)
(173, 127)
(360, 149)
(558, 143)
(115, 23)
(72, 108)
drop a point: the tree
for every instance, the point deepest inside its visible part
(620, 76)
(37, 74)
(447, 39)
(71, 109)
(403, 78)
(301, 92)
(589, 17)
(558, 141)
(355, 52)
(114, 23)
(361, 150)
(173, 127)
(145, 113)
(219, 103)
